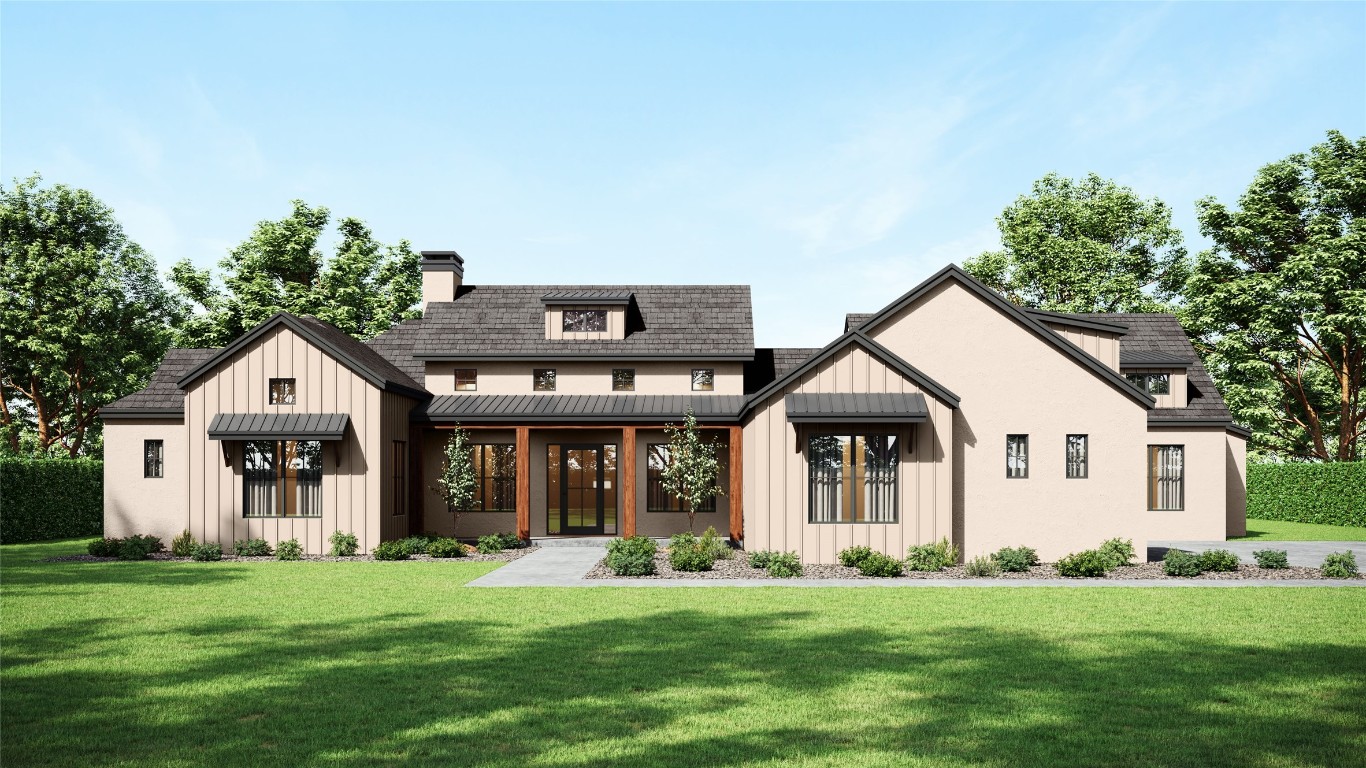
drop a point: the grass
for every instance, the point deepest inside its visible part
(359, 664)
(1278, 530)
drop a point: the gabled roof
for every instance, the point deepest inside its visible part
(396, 346)
(853, 320)
(360, 359)
(1023, 318)
(161, 397)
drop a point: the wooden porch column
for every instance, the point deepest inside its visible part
(737, 484)
(524, 483)
(628, 481)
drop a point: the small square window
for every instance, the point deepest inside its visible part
(282, 391)
(153, 458)
(585, 320)
(1017, 456)
(466, 379)
(543, 379)
(703, 379)
(623, 379)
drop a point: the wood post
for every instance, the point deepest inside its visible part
(524, 483)
(628, 481)
(736, 494)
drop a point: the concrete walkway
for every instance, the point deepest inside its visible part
(546, 567)
(1308, 554)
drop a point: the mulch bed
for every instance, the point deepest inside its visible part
(738, 568)
(506, 556)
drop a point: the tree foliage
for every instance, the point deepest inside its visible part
(84, 318)
(364, 288)
(1278, 305)
(692, 469)
(459, 478)
(1087, 245)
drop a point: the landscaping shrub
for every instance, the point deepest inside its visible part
(510, 541)
(344, 544)
(687, 553)
(1272, 558)
(931, 557)
(632, 556)
(139, 547)
(445, 548)
(1339, 565)
(784, 565)
(206, 552)
(391, 550)
(51, 499)
(878, 564)
(1330, 494)
(1016, 559)
(491, 544)
(760, 558)
(715, 544)
(1181, 563)
(983, 567)
(289, 549)
(416, 545)
(1118, 552)
(1086, 563)
(252, 548)
(104, 547)
(854, 556)
(183, 545)
(1218, 560)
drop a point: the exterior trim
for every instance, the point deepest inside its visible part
(437, 357)
(595, 298)
(1077, 322)
(1228, 426)
(1153, 360)
(143, 413)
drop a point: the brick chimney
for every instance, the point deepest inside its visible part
(442, 272)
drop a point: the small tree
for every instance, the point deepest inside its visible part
(458, 479)
(692, 468)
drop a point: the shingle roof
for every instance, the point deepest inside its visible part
(1135, 358)
(361, 353)
(769, 363)
(844, 407)
(853, 320)
(617, 409)
(508, 321)
(161, 392)
(396, 346)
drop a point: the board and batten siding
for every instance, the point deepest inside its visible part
(353, 485)
(775, 468)
(1099, 344)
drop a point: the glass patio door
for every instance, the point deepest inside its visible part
(581, 494)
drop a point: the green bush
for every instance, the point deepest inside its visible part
(878, 564)
(491, 544)
(1016, 559)
(1218, 560)
(445, 548)
(1181, 563)
(391, 550)
(104, 547)
(1086, 563)
(687, 553)
(51, 499)
(715, 544)
(931, 557)
(510, 541)
(183, 545)
(1328, 494)
(289, 549)
(343, 544)
(139, 547)
(1339, 565)
(760, 558)
(632, 556)
(1118, 552)
(252, 548)
(854, 556)
(416, 545)
(784, 565)
(207, 552)
(983, 567)
(1272, 558)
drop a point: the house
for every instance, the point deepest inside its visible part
(949, 412)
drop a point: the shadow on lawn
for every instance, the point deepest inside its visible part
(774, 686)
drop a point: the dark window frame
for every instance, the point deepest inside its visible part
(292, 395)
(1084, 463)
(1144, 382)
(654, 483)
(632, 373)
(1021, 455)
(278, 488)
(1153, 478)
(598, 316)
(489, 483)
(539, 378)
(154, 464)
(711, 379)
(399, 454)
(466, 379)
(888, 479)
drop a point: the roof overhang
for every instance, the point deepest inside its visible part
(1224, 424)
(853, 408)
(278, 426)
(1153, 360)
(596, 298)
(578, 409)
(1073, 321)
(124, 414)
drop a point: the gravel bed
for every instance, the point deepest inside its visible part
(506, 556)
(738, 568)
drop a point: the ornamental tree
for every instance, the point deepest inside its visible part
(692, 468)
(459, 478)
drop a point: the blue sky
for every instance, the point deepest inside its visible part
(828, 155)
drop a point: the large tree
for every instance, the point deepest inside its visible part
(364, 288)
(1087, 245)
(1278, 305)
(84, 319)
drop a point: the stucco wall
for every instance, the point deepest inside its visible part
(1235, 496)
(134, 504)
(585, 378)
(1205, 515)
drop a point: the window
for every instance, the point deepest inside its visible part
(585, 320)
(1076, 456)
(623, 379)
(1166, 477)
(399, 480)
(1017, 456)
(153, 458)
(282, 391)
(658, 497)
(703, 379)
(282, 478)
(495, 466)
(852, 478)
(543, 379)
(1152, 383)
(466, 379)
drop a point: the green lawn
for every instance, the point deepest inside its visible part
(1277, 530)
(300, 664)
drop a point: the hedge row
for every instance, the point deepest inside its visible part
(1329, 494)
(50, 499)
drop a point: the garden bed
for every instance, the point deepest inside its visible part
(506, 556)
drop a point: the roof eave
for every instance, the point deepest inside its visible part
(116, 414)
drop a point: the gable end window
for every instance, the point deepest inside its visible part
(1166, 477)
(585, 320)
(852, 478)
(1017, 456)
(703, 379)
(1077, 460)
(623, 379)
(282, 391)
(1152, 383)
(153, 458)
(466, 379)
(543, 379)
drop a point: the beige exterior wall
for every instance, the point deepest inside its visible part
(1176, 387)
(134, 504)
(554, 323)
(585, 378)
(775, 469)
(1207, 482)
(1100, 345)
(1235, 496)
(439, 285)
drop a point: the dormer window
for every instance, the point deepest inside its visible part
(281, 391)
(1152, 383)
(585, 320)
(586, 314)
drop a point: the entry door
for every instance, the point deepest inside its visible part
(588, 494)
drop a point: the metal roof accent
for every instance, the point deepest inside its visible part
(278, 426)
(1087, 321)
(1153, 358)
(443, 261)
(590, 409)
(847, 407)
(603, 297)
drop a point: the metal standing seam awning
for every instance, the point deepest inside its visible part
(579, 409)
(278, 426)
(848, 407)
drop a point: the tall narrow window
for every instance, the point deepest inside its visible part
(153, 458)
(400, 477)
(623, 379)
(658, 497)
(282, 478)
(1166, 477)
(1017, 456)
(1076, 456)
(585, 320)
(495, 470)
(852, 478)
(466, 379)
(703, 379)
(281, 391)
(543, 379)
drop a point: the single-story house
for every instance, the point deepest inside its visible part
(950, 412)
